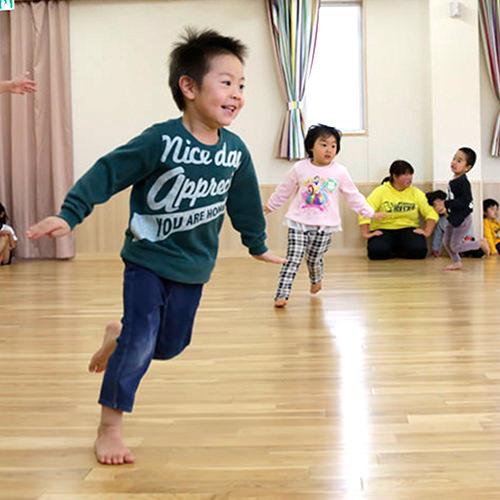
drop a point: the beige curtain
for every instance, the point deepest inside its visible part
(36, 149)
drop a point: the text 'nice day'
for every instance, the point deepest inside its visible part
(186, 154)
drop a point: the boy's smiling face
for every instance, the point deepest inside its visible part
(219, 99)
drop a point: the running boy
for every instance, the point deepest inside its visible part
(185, 172)
(459, 209)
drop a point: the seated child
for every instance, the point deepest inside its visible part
(8, 239)
(436, 200)
(491, 225)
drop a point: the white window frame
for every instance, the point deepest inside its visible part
(363, 130)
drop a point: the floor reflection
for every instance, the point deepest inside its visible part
(349, 336)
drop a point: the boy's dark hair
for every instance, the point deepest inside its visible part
(489, 202)
(470, 154)
(320, 130)
(3, 218)
(432, 196)
(191, 56)
(397, 168)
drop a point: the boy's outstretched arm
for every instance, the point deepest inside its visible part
(53, 227)
(270, 257)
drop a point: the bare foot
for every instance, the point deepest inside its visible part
(316, 287)
(281, 302)
(110, 448)
(456, 266)
(485, 247)
(100, 358)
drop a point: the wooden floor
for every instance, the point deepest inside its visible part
(386, 386)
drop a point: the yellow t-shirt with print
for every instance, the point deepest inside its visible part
(403, 208)
(492, 234)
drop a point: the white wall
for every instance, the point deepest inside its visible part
(398, 87)
(119, 54)
(455, 83)
(489, 111)
(119, 79)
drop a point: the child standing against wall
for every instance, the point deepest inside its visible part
(185, 173)
(313, 214)
(459, 209)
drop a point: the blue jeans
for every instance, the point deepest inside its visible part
(157, 321)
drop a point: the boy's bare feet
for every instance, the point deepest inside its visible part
(316, 287)
(456, 266)
(99, 360)
(485, 247)
(281, 302)
(109, 446)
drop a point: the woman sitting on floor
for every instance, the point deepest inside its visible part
(398, 235)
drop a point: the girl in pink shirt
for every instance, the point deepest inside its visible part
(314, 213)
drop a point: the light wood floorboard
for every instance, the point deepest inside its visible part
(386, 386)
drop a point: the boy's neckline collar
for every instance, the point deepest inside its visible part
(194, 138)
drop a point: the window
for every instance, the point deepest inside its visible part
(335, 93)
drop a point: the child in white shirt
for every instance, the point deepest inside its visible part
(314, 213)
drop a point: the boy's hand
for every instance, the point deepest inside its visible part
(53, 227)
(270, 257)
(439, 207)
(379, 216)
(266, 210)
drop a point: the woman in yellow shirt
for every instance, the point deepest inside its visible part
(399, 234)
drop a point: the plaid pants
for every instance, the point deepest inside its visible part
(312, 244)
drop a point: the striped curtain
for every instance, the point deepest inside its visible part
(489, 22)
(294, 26)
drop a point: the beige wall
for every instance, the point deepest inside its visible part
(119, 54)
(119, 51)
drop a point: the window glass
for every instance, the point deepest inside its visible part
(335, 93)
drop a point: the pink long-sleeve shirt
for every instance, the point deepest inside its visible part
(315, 191)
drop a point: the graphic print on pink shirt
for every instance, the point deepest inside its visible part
(315, 195)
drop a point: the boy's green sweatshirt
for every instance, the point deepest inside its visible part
(181, 188)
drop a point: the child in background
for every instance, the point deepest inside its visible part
(491, 225)
(185, 173)
(437, 235)
(313, 213)
(459, 208)
(8, 239)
